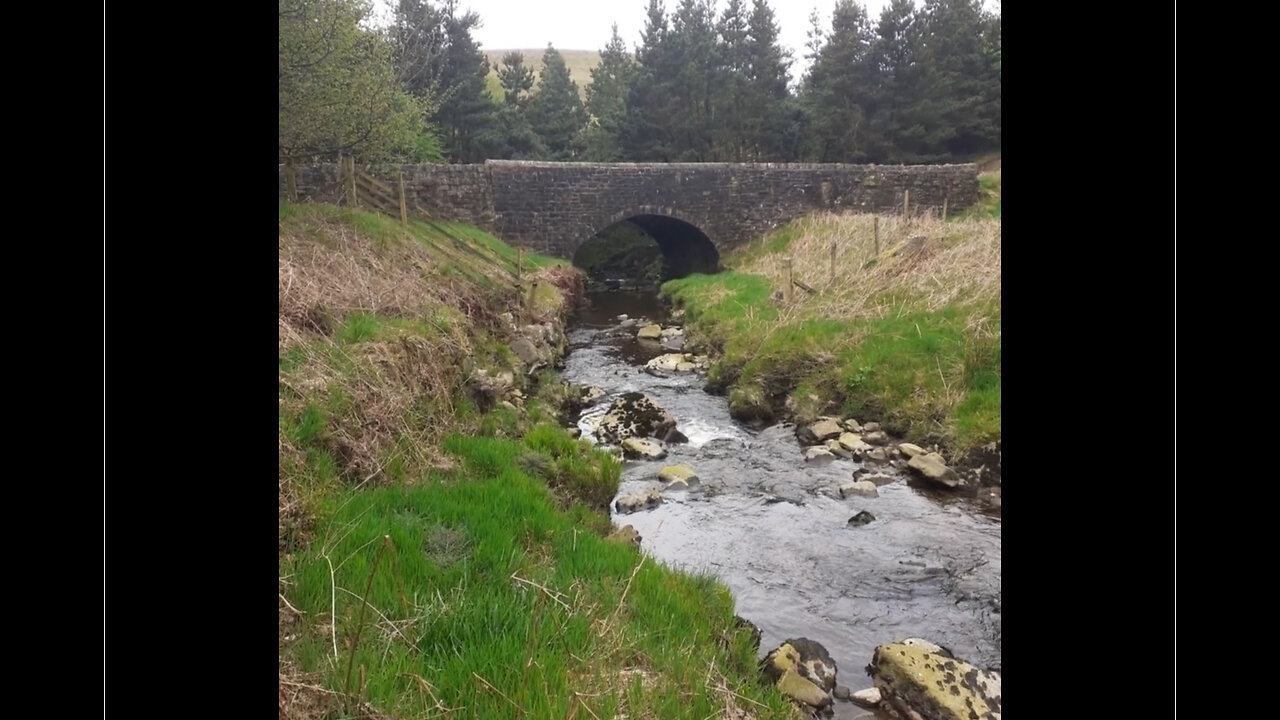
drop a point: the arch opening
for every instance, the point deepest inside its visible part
(643, 251)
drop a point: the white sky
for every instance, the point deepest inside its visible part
(585, 24)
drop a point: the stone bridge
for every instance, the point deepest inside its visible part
(693, 210)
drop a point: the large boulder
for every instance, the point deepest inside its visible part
(922, 685)
(803, 670)
(634, 414)
(931, 466)
(649, 332)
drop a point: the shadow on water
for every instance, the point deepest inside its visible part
(774, 529)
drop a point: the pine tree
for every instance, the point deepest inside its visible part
(607, 101)
(956, 84)
(732, 105)
(894, 51)
(466, 111)
(555, 111)
(837, 88)
(515, 78)
(768, 130)
(647, 134)
(695, 77)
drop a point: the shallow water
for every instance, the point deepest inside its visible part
(773, 528)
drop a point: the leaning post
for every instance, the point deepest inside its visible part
(789, 287)
(290, 181)
(404, 207)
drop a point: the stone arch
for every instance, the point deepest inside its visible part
(684, 244)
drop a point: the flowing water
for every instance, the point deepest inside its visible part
(772, 528)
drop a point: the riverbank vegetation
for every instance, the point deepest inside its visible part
(908, 336)
(440, 558)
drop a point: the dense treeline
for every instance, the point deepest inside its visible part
(708, 81)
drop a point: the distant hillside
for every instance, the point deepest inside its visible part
(579, 62)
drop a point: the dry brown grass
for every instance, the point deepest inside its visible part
(959, 263)
(390, 397)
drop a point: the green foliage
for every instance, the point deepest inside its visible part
(476, 571)
(934, 371)
(515, 78)
(556, 113)
(607, 101)
(358, 327)
(338, 91)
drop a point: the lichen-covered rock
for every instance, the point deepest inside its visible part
(590, 395)
(853, 442)
(868, 698)
(862, 488)
(910, 449)
(665, 363)
(824, 429)
(642, 500)
(803, 669)
(528, 352)
(921, 685)
(678, 473)
(876, 438)
(649, 332)
(749, 404)
(876, 455)
(818, 453)
(627, 535)
(643, 448)
(838, 450)
(931, 467)
(634, 414)
(851, 425)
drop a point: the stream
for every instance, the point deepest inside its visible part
(773, 529)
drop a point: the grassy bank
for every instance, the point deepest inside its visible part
(441, 555)
(910, 339)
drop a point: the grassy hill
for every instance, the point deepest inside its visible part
(579, 62)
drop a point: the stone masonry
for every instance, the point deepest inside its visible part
(554, 207)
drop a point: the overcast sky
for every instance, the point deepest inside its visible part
(585, 24)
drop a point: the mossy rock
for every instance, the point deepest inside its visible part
(933, 686)
(750, 404)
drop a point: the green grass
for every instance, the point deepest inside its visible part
(927, 369)
(988, 194)
(436, 559)
(482, 582)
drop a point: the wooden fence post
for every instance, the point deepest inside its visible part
(875, 232)
(290, 181)
(788, 288)
(404, 207)
(351, 181)
(944, 207)
(833, 261)
(906, 203)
